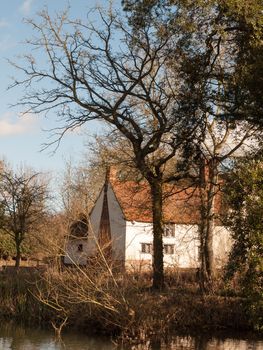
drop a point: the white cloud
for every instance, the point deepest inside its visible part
(10, 126)
(26, 7)
(3, 23)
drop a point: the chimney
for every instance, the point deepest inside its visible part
(204, 171)
(112, 173)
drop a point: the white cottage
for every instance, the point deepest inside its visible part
(121, 223)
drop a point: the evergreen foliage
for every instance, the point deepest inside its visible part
(245, 197)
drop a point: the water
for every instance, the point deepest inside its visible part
(19, 338)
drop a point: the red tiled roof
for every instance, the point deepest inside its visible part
(180, 206)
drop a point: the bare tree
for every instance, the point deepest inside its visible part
(22, 199)
(102, 71)
(80, 186)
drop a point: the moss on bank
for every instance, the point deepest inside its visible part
(123, 307)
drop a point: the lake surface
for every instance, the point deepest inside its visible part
(14, 337)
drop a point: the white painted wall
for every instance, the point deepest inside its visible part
(222, 244)
(137, 233)
(186, 244)
(118, 226)
(94, 225)
(73, 255)
(117, 223)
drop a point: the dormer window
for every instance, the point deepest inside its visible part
(79, 227)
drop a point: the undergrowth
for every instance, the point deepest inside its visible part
(117, 305)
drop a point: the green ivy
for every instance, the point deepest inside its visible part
(244, 191)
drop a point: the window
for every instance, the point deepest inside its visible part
(80, 248)
(146, 248)
(169, 230)
(168, 248)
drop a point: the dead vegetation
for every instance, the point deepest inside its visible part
(121, 305)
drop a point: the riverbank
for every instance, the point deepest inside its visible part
(119, 306)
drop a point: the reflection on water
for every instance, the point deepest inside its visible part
(15, 337)
(207, 343)
(18, 338)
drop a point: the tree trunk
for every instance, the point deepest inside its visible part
(208, 194)
(157, 212)
(18, 253)
(203, 277)
(209, 252)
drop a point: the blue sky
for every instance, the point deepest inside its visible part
(21, 138)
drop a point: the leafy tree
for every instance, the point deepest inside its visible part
(244, 191)
(218, 54)
(22, 197)
(7, 246)
(236, 26)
